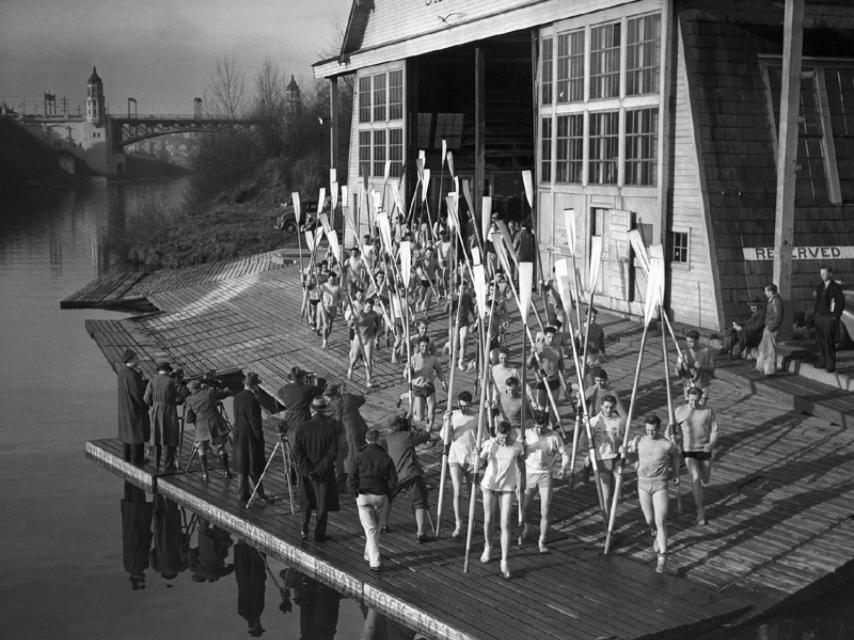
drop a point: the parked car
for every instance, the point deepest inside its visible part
(287, 221)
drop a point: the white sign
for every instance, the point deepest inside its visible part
(800, 253)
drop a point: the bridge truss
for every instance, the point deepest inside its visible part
(127, 131)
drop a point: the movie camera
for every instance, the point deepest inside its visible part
(227, 378)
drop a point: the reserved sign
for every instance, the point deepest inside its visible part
(800, 253)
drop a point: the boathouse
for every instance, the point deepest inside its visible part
(660, 115)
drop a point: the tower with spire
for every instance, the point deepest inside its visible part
(293, 101)
(95, 110)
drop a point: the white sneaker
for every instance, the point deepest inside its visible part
(487, 552)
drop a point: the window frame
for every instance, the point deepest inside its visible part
(679, 264)
(551, 37)
(381, 94)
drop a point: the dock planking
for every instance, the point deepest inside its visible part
(780, 500)
(573, 592)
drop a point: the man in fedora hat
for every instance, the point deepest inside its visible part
(344, 410)
(134, 426)
(249, 439)
(297, 395)
(315, 450)
(163, 394)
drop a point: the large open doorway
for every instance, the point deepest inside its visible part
(442, 105)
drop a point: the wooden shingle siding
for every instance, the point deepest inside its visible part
(737, 155)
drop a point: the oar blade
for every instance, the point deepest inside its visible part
(526, 281)
(570, 226)
(595, 262)
(485, 215)
(480, 289)
(405, 255)
(528, 181)
(296, 203)
(640, 249)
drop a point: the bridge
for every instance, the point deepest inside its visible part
(127, 130)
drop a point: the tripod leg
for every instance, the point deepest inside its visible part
(192, 455)
(224, 456)
(285, 456)
(257, 485)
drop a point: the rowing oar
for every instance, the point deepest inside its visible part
(475, 461)
(569, 224)
(654, 296)
(671, 424)
(526, 276)
(562, 279)
(446, 442)
(355, 324)
(593, 271)
(643, 254)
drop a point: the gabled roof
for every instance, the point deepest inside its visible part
(356, 24)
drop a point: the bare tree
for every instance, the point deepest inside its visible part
(270, 108)
(226, 95)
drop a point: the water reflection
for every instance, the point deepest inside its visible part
(97, 220)
(251, 573)
(165, 539)
(136, 534)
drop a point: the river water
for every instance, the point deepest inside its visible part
(61, 571)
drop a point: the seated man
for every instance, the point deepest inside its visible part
(747, 335)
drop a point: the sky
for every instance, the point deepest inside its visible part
(161, 52)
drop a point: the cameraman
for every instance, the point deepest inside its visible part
(210, 426)
(297, 395)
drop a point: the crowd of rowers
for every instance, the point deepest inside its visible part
(523, 438)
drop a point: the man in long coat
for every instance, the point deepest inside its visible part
(249, 439)
(828, 307)
(297, 395)
(134, 427)
(315, 450)
(344, 410)
(162, 395)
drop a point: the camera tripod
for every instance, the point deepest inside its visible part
(289, 464)
(226, 439)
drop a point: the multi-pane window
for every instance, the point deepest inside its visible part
(380, 114)
(679, 247)
(449, 127)
(570, 66)
(395, 95)
(605, 61)
(569, 163)
(395, 151)
(379, 152)
(604, 147)
(365, 99)
(547, 81)
(603, 99)
(546, 153)
(642, 55)
(641, 144)
(380, 96)
(825, 165)
(365, 153)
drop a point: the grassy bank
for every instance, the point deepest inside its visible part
(237, 223)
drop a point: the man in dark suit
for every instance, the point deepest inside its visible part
(249, 439)
(134, 425)
(315, 450)
(829, 303)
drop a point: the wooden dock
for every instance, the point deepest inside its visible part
(780, 504)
